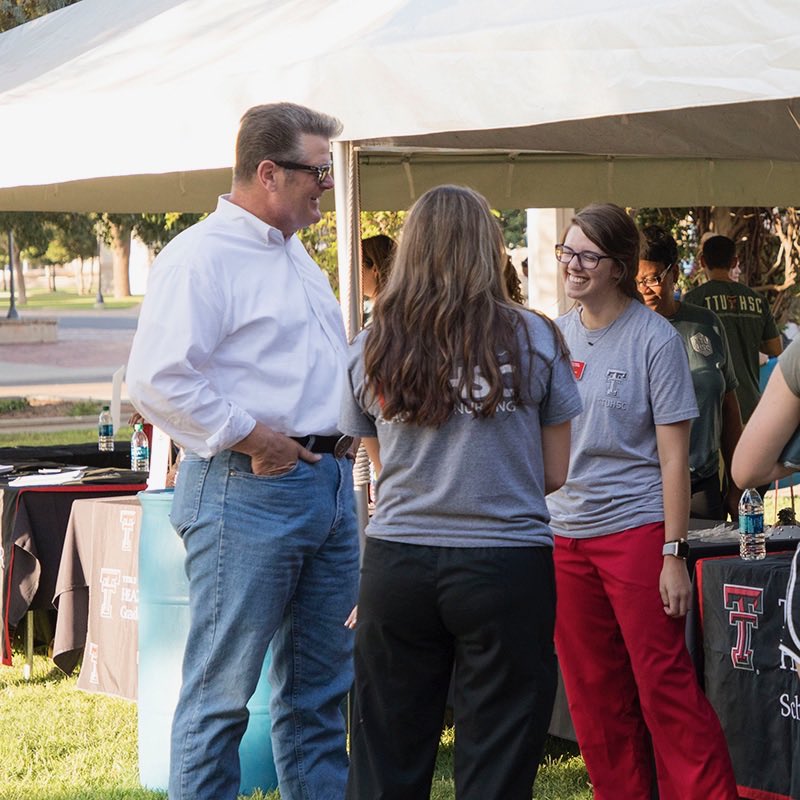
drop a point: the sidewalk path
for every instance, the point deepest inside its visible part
(91, 346)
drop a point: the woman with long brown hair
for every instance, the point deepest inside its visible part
(468, 398)
(620, 522)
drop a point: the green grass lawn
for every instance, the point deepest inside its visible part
(41, 300)
(45, 438)
(59, 743)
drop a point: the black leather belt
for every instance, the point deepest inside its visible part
(338, 445)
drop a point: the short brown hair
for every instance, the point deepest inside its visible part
(272, 131)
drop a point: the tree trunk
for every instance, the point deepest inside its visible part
(121, 249)
(80, 279)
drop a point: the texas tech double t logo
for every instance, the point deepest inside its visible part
(745, 604)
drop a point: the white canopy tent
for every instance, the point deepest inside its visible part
(119, 106)
(126, 106)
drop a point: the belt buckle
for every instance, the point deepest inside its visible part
(342, 446)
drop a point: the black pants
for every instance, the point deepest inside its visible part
(707, 501)
(491, 611)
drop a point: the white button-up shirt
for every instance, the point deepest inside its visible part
(238, 325)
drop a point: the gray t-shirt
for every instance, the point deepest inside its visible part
(632, 376)
(789, 361)
(473, 482)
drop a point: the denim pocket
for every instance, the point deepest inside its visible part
(249, 474)
(188, 492)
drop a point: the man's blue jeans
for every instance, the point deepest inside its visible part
(269, 559)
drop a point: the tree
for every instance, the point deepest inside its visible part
(155, 230)
(514, 224)
(16, 12)
(74, 236)
(30, 234)
(768, 245)
(117, 230)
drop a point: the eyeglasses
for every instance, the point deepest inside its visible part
(321, 172)
(586, 258)
(653, 280)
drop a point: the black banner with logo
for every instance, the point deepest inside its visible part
(751, 683)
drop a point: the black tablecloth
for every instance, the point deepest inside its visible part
(33, 523)
(751, 684)
(86, 455)
(781, 538)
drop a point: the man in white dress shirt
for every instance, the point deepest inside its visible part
(240, 357)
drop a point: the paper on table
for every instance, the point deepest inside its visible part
(116, 396)
(48, 480)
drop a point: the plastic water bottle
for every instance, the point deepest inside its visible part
(140, 450)
(752, 539)
(105, 431)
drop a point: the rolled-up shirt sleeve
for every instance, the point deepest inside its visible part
(182, 321)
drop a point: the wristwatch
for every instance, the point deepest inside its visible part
(678, 548)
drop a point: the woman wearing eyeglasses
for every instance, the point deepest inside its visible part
(620, 521)
(468, 397)
(719, 425)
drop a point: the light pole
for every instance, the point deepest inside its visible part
(12, 308)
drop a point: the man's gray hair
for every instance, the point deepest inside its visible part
(272, 131)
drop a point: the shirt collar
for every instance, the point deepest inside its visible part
(263, 230)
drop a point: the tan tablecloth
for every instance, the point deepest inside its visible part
(97, 595)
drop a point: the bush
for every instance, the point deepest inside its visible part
(8, 404)
(84, 408)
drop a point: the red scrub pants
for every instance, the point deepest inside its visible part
(628, 675)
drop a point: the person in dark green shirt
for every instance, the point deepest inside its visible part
(719, 425)
(745, 314)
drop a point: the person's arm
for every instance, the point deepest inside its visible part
(673, 456)
(731, 431)
(372, 446)
(771, 347)
(180, 327)
(777, 415)
(555, 454)
(373, 451)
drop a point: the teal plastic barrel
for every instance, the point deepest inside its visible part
(163, 628)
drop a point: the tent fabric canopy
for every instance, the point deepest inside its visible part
(119, 106)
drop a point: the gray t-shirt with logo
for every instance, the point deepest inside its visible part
(632, 376)
(473, 482)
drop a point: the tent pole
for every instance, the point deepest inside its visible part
(348, 234)
(348, 239)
